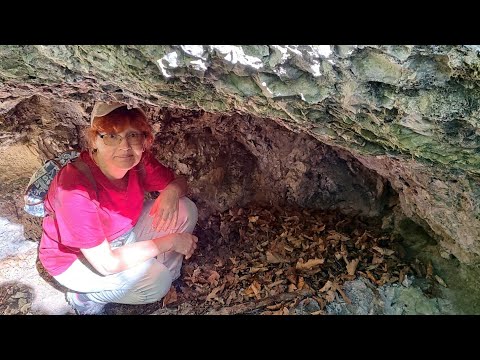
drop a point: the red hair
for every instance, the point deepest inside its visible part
(117, 121)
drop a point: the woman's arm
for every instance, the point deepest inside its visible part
(179, 185)
(165, 207)
(107, 261)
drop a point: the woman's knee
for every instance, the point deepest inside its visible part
(147, 204)
(161, 281)
(187, 211)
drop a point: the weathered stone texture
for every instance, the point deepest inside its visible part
(409, 113)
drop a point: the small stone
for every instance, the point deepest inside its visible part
(407, 282)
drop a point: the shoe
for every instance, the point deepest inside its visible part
(83, 307)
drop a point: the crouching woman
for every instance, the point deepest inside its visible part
(100, 239)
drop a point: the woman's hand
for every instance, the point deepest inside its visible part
(183, 243)
(165, 211)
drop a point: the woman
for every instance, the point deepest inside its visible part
(100, 239)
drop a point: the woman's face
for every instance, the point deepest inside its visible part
(120, 150)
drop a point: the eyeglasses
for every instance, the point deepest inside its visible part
(115, 139)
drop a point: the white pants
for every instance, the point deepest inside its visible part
(144, 283)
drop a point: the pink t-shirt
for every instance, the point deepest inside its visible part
(82, 218)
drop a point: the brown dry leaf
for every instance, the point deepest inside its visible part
(352, 266)
(388, 252)
(371, 277)
(340, 290)
(185, 309)
(309, 264)
(231, 297)
(252, 219)
(326, 287)
(288, 248)
(291, 288)
(275, 306)
(296, 242)
(333, 235)
(219, 263)
(320, 301)
(440, 281)
(274, 258)
(383, 251)
(278, 312)
(307, 287)
(213, 278)
(278, 282)
(229, 278)
(225, 228)
(171, 297)
(256, 287)
(292, 277)
(254, 270)
(301, 283)
(385, 278)
(330, 296)
(377, 259)
(362, 238)
(248, 292)
(194, 276)
(214, 292)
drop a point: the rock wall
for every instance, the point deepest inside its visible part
(409, 113)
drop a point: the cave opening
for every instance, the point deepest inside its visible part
(279, 213)
(286, 223)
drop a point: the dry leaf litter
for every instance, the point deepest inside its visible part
(277, 260)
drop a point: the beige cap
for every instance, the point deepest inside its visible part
(102, 109)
